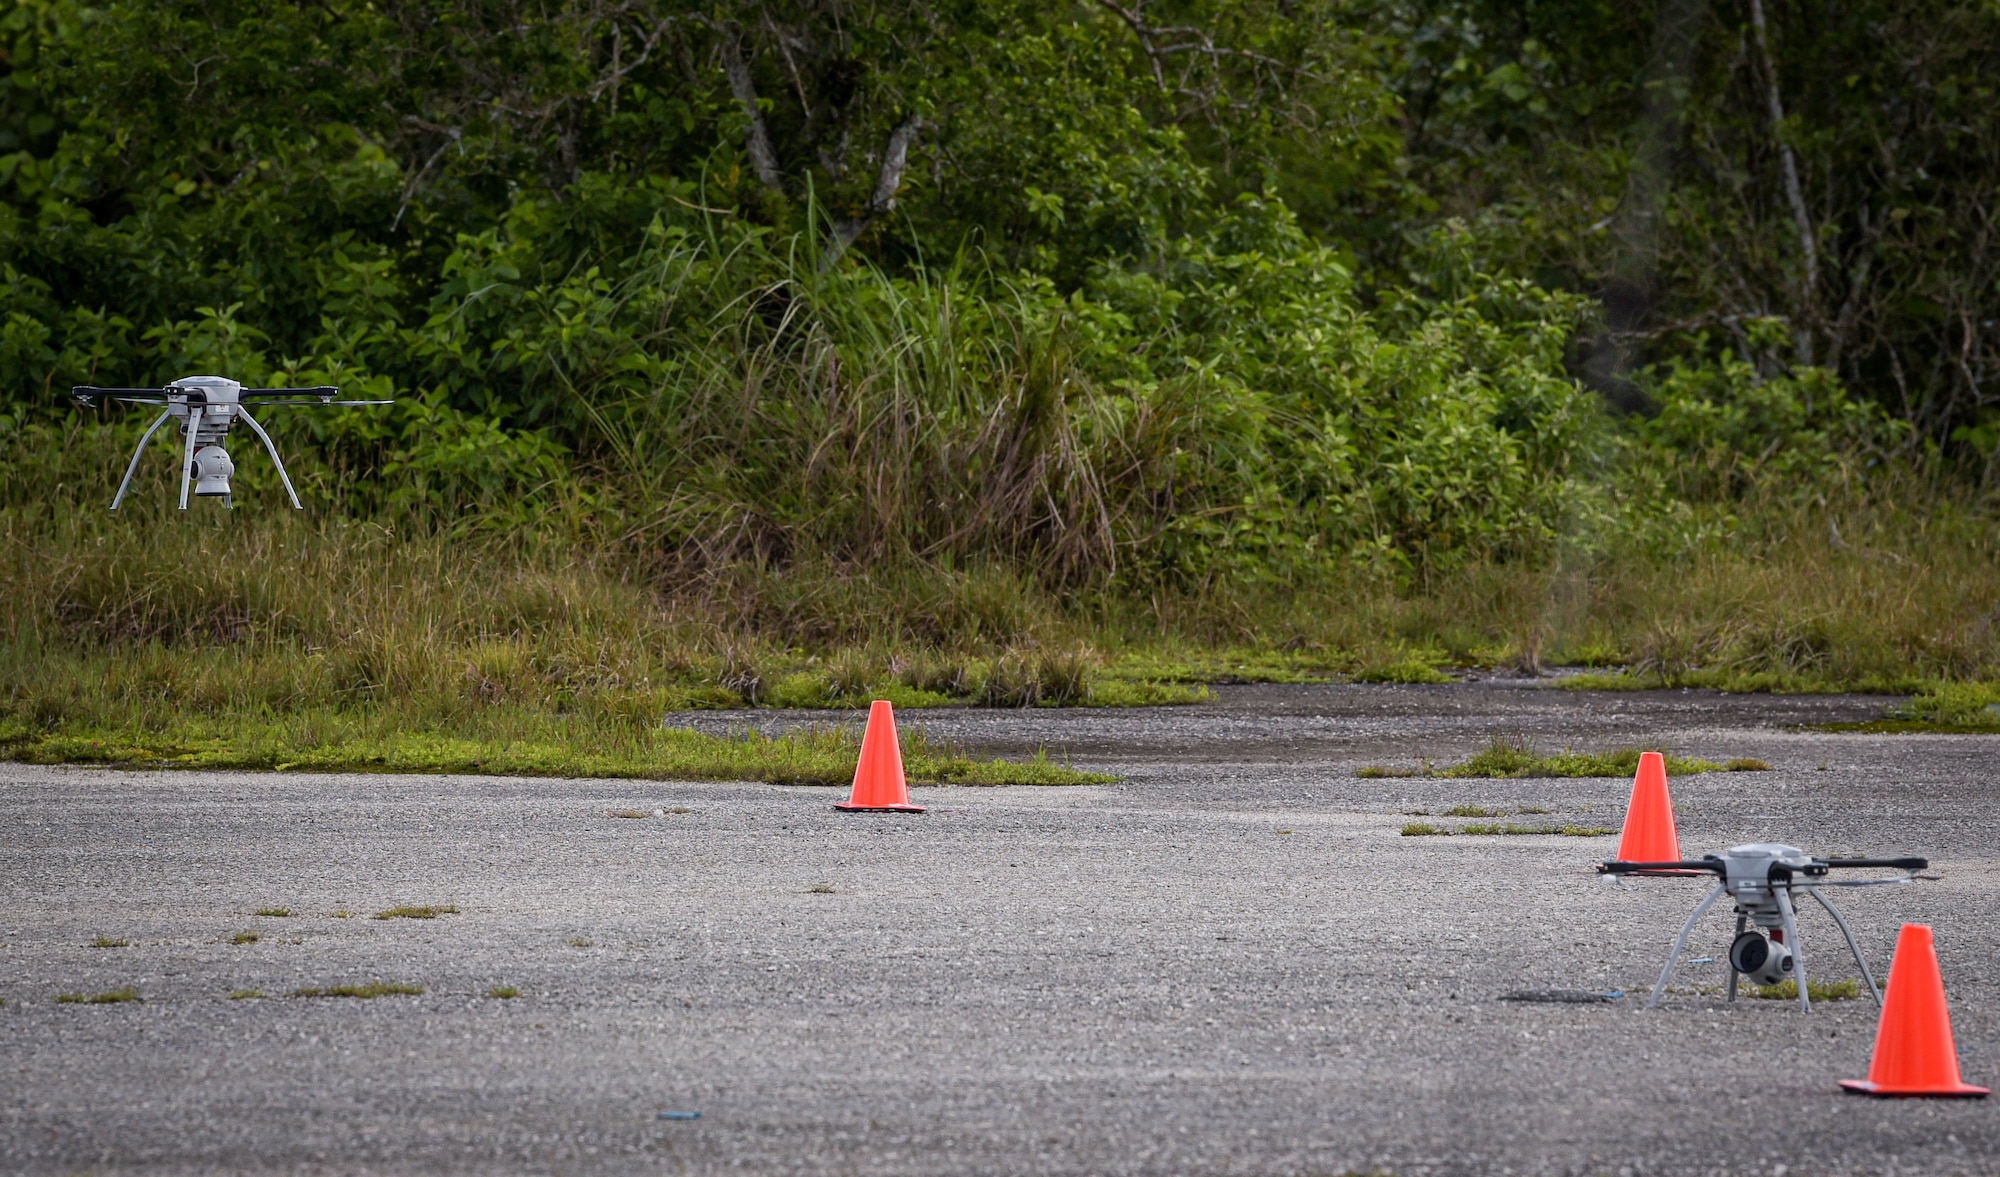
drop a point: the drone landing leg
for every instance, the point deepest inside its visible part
(1851, 945)
(134, 467)
(1783, 895)
(1680, 943)
(1741, 923)
(187, 463)
(275, 460)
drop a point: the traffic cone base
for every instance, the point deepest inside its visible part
(879, 784)
(1864, 1087)
(1649, 834)
(1914, 1055)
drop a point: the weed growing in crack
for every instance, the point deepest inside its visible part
(414, 913)
(114, 997)
(370, 990)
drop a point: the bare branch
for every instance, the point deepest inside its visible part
(895, 158)
(1788, 165)
(621, 68)
(756, 138)
(452, 136)
(1145, 35)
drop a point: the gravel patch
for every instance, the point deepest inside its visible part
(1229, 963)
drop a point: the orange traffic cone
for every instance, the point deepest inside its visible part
(1914, 1054)
(1649, 834)
(878, 779)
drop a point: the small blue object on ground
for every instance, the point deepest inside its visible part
(680, 1115)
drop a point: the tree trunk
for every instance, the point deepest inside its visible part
(1802, 336)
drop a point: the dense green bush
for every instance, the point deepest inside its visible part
(763, 286)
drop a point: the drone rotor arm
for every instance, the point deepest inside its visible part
(323, 394)
(1909, 864)
(1713, 865)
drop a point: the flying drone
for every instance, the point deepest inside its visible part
(207, 408)
(1763, 878)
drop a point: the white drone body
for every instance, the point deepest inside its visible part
(1766, 879)
(207, 407)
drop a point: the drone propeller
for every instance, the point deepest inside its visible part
(88, 396)
(298, 396)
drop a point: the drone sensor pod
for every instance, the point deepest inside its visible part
(1763, 960)
(212, 469)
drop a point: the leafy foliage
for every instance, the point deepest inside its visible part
(1141, 298)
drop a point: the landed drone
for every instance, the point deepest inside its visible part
(207, 408)
(1763, 878)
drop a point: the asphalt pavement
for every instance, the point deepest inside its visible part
(1230, 962)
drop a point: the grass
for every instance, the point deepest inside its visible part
(1940, 708)
(275, 912)
(503, 992)
(109, 942)
(820, 889)
(268, 641)
(511, 741)
(413, 913)
(245, 994)
(113, 997)
(371, 990)
(1402, 672)
(1513, 759)
(1370, 772)
(1422, 829)
(245, 938)
(1788, 990)
(1565, 831)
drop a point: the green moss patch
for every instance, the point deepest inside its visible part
(114, 997)
(371, 990)
(510, 742)
(1939, 708)
(1788, 990)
